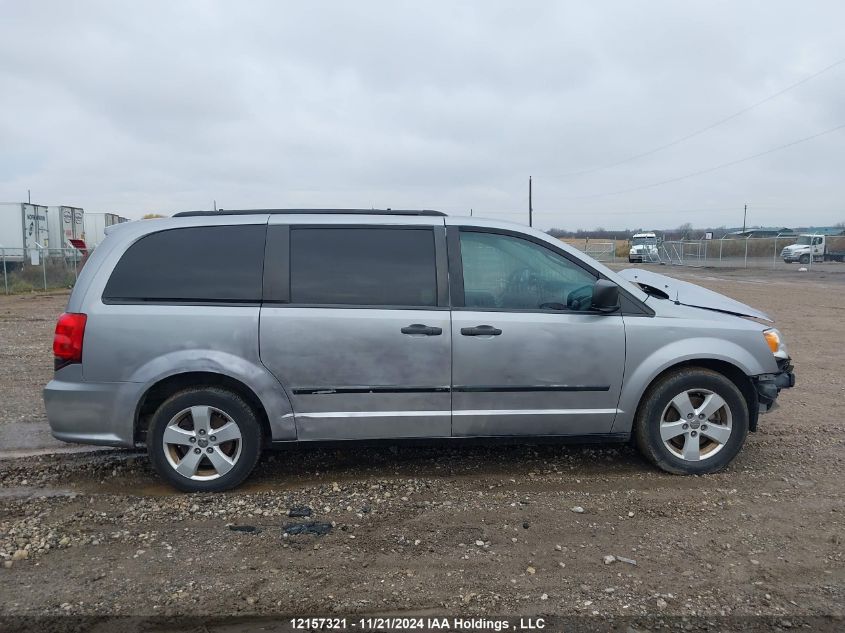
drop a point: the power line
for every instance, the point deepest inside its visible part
(647, 211)
(706, 128)
(711, 169)
(547, 213)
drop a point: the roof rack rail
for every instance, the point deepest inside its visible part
(427, 212)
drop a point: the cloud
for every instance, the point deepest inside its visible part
(161, 106)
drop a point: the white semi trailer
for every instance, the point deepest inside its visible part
(66, 223)
(96, 224)
(24, 231)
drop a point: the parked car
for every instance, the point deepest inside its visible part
(211, 336)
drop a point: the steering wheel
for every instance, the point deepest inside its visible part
(520, 278)
(581, 298)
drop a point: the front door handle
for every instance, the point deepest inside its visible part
(481, 330)
(425, 330)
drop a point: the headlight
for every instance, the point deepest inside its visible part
(775, 341)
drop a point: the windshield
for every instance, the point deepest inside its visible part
(637, 241)
(804, 239)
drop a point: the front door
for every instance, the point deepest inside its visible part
(529, 355)
(360, 335)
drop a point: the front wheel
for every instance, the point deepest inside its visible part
(804, 259)
(693, 421)
(204, 439)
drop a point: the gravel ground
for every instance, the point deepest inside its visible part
(26, 333)
(448, 528)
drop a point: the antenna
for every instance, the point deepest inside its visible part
(530, 204)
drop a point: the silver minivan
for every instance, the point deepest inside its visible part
(211, 336)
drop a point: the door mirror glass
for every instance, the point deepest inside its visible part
(605, 296)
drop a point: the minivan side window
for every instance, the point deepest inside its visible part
(363, 266)
(510, 273)
(204, 264)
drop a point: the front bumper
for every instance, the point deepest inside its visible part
(769, 385)
(793, 256)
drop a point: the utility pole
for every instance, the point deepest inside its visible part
(29, 196)
(744, 214)
(530, 204)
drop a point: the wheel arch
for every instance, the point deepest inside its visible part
(731, 371)
(159, 391)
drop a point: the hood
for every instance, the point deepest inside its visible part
(689, 294)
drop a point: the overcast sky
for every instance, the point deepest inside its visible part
(135, 107)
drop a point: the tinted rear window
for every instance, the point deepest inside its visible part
(363, 266)
(206, 264)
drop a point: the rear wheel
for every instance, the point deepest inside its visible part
(204, 440)
(693, 421)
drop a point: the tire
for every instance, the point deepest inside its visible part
(659, 426)
(804, 259)
(191, 460)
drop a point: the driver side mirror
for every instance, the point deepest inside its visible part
(605, 296)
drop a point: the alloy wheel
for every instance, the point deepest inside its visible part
(202, 443)
(696, 425)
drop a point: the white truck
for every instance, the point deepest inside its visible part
(66, 223)
(822, 248)
(24, 232)
(644, 248)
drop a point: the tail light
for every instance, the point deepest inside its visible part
(67, 342)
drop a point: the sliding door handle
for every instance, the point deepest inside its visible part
(481, 330)
(425, 330)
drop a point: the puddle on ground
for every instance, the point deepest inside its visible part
(155, 489)
(40, 452)
(30, 492)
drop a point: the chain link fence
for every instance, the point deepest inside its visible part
(26, 270)
(748, 252)
(601, 251)
(751, 252)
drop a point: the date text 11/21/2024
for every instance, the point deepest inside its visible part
(418, 624)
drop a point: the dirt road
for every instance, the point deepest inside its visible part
(447, 528)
